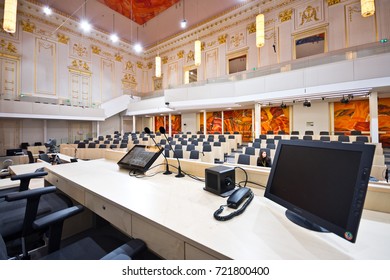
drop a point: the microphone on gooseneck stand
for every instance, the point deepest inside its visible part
(179, 174)
(167, 172)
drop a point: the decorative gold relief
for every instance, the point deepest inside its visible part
(80, 50)
(190, 56)
(210, 44)
(150, 65)
(237, 39)
(309, 14)
(251, 28)
(129, 82)
(62, 38)
(96, 50)
(180, 54)
(140, 65)
(27, 26)
(118, 57)
(129, 66)
(7, 47)
(222, 39)
(202, 46)
(164, 59)
(79, 65)
(129, 78)
(333, 2)
(157, 83)
(285, 15)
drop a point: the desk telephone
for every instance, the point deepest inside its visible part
(234, 201)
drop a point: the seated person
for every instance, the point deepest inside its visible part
(264, 160)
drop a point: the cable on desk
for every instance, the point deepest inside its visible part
(246, 174)
(251, 182)
(241, 210)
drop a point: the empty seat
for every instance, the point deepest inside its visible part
(178, 153)
(206, 148)
(113, 146)
(277, 137)
(92, 145)
(102, 146)
(116, 141)
(101, 138)
(44, 157)
(194, 154)
(123, 146)
(270, 132)
(307, 137)
(270, 141)
(184, 142)
(256, 145)
(356, 132)
(107, 142)
(263, 136)
(217, 144)
(250, 151)
(324, 132)
(281, 132)
(178, 147)
(294, 132)
(362, 139)
(81, 145)
(243, 159)
(294, 138)
(324, 138)
(309, 132)
(190, 147)
(271, 146)
(343, 138)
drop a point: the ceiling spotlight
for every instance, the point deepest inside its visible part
(344, 100)
(47, 10)
(114, 38)
(85, 26)
(138, 48)
(306, 103)
(183, 24)
(283, 106)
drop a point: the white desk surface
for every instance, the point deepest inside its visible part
(181, 207)
(27, 168)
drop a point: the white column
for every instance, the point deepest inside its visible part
(97, 129)
(374, 127)
(204, 122)
(223, 125)
(257, 120)
(170, 125)
(134, 124)
(45, 131)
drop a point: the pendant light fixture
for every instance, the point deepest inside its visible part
(158, 66)
(9, 22)
(367, 7)
(183, 23)
(85, 25)
(260, 30)
(114, 37)
(197, 47)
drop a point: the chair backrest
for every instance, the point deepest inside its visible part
(307, 137)
(271, 146)
(178, 153)
(73, 160)
(362, 139)
(92, 145)
(324, 138)
(270, 132)
(343, 138)
(294, 137)
(80, 145)
(356, 132)
(231, 137)
(244, 159)
(206, 148)
(163, 141)
(294, 132)
(309, 132)
(217, 144)
(102, 146)
(277, 137)
(324, 132)
(116, 141)
(30, 157)
(44, 157)
(178, 147)
(113, 146)
(270, 141)
(281, 132)
(190, 147)
(101, 138)
(263, 136)
(184, 142)
(123, 146)
(256, 145)
(194, 154)
(250, 151)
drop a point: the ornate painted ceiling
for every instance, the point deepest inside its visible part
(140, 11)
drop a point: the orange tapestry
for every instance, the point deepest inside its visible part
(352, 116)
(176, 124)
(159, 122)
(213, 122)
(275, 119)
(384, 121)
(239, 120)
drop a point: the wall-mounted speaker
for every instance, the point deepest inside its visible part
(219, 179)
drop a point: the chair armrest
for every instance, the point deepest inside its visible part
(30, 193)
(57, 217)
(25, 179)
(128, 250)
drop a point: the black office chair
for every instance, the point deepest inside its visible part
(217, 144)
(307, 137)
(190, 147)
(92, 145)
(81, 145)
(113, 146)
(178, 147)
(194, 154)
(44, 157)
(206, 148)
(363, 139)
(324, 132)
(250, 151)
(356, 132)
(256, 145)
(309, 132)
(178, 153)
(24, 145)
(123, 146)
(271, 146)
(343, 138)
(102, 146)
(244, 159)
(294, 132)
(324, 138)
(294, 138)
(31, 158)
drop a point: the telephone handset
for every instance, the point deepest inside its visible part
(234, 201)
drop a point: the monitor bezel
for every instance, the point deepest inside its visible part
(360, 189)
(137, 168)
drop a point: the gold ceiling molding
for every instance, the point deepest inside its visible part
(96, 49)
(164, 59)
(118, 57)
(180, 54)
(62, 38)
(222, 39)
(333, 2)
(251, 28)
(140, 65)
(150, 65)
(28, 26)
(285, 15)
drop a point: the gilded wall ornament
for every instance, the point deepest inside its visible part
(7, 47)
(164, 59)
(96, 50)
(190, 56)
(285, 15)
(27, 26)
(180, 54)
(129, 66)
(140, 65)
(333, 2)
(80, 50)
(308, 15)
(62, 38)
(150, 65)
(78, 64)
(251, 28)
(118, 57)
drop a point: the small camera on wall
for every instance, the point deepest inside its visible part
(220, 180)
(166, 103)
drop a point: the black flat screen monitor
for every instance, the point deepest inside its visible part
(322, 185)
(14, 152)
(140, 158)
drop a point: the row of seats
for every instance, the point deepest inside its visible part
(311, 132)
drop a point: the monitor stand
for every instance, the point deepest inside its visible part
(303, 222)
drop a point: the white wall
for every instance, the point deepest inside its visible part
(32, 130)
(110, 125)
(188, 122)
(317, 115)
(59, 130)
